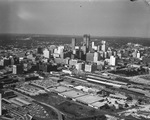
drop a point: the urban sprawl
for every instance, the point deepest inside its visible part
(75, 82)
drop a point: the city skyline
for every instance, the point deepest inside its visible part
(98, 18)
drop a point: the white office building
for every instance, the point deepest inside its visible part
(46, 53)
(103, 46)
(112, 61)
(138, 55)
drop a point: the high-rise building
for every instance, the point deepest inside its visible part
(86, 41)
(46, 53)
(73, 43)
(113, 61)
(98, 48)
(93, 45)
(110, 53)
(60, 49)
(90, 67)
(17, 69)
(138, 54)
(103, 46)
(115, 53)
(96, 56)
(89, 57)
(73, 62)
(105, 54)
(84, 49)
(80, 66)
(40, 50)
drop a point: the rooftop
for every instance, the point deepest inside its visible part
(73, 94)
(60, 89)
(89, 99)
(98, 104)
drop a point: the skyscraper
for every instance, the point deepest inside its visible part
(73, 43)
(86, 41)
(112, 60)
(104, 46)
(17, 69)
(46, 53)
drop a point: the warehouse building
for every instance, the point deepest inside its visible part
(89, 99)
(73, 94)
(60, 89)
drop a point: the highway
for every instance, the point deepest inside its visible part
(59, 113)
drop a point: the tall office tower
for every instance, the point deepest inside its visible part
(60, 49)
(86, 41)
(110, 53)
(93, 45)
(96, 56)
(90, 67)
(46, 53)
(0, 104)
(84, 49)
(113, 60)
(40, 50)
(138, 54)
(73, 43)
(98, 48)
(79, 66)
(89, 57)
(105, 54)
(17, 69)
(103, 46)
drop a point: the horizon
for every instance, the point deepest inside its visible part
(113, 18)
(48, 35)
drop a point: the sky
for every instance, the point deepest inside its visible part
(76, 17)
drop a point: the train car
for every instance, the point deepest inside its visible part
(102, 79)
(104, 83)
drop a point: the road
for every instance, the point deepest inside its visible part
(59, 113)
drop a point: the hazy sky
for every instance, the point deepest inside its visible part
(74, 17)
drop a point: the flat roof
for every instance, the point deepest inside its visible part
(60, 89)
(16, 102)
(73, 94)
(98, 104)
(23, 101)
(89, 99)
(118, 96)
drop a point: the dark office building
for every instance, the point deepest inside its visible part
(86, 41)
(7, 62)
(40, 50)
(34, 67)
(47, 67)
(89, 57)
(65, 54)
(18, 69)
(73, 43)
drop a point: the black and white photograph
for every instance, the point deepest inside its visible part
(74, 59)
